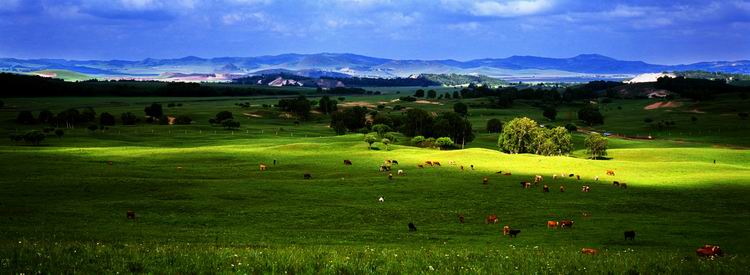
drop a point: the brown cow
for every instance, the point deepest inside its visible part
(624, 185)
(420, 166)
(508, 174)
(263, 167)
(578, 177)
(566, 224)
(709, 251)
(428, 163)
(552, 224)
(545, 189)
(485, 180)
(525, 185)
(491, 219)
(506, 230)
(130, 215)
(616, 183)
(460, 218)
(462, 167)
(308, 176)
(589, 251)
(562, 188)
(347, 162)
(436, 163)
(109, 163)
(610, 173)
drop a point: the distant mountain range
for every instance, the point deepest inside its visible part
(350, 65)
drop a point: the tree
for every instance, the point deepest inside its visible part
(128, 118)
(92, 127)
(392, 136)
(447, 95)
(417, 122)
(591, 115)
(154, 111)
(338, 126)
(419, 93)
(571, 127)
(417, 140)
(381, 129)
(431, 94)
(596, 145)
(456, 95)
(59, 133)
(326, 105)
(88, 115)
(106, 119)
(34, 137)
(444, 142)
(68, 117)
(183, 120)
(454, 126)
(25, 117)
(45, 116)
(230, 124)
(386, 141)
(494, 125)
(461, 108)
(222, 116)
(562, 139)
(517, 135)
(370, 139)
(550, 113)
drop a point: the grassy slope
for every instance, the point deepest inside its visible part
(64, 75)
(63, 196)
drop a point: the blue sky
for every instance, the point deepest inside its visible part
(665, 32)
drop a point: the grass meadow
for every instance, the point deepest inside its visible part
(203, 206)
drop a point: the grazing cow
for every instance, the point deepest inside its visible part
(585, 188)
(381, 199)
(394, 162)
(308, 176)
(462, 167)
(109, 163)
(571, 175)
(538, 179)
(709, 251)
(514, 233)
(508, 174)
(589, 251)
(630, 235)
(566, 224)
(545, 189)
(596, 178)
(274, 162)
(554, 176)
(130, 215)
(562, 188)
(624, 185)
(412, 227)
(610, 173)
(616, 183)
(436, 163)
(491, 219)
(525, 185)
(485, 180)
(472, 167)
(420, 166)
(384, 168)
(401, 172)
(390, 176)
(552, 224)
(347, 162)
(388, 161)
(585, 214)
(460, 218)
(263, 167)
(499, 172)
(578, 177)
(428, 163)
(506, 230)
(451, 162)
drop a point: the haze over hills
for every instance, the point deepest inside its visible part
(346, 65)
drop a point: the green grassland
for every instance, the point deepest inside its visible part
(64, 75)
(62, 207)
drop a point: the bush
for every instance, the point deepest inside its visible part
(59, 133)
(183, 120)
(407, 98)
(106, 119)
(25, 117)
(591, 115)
(461, 108)
(34, 137)
(230, 124)
(392, 136)
(571, 127)
(417, 140)
(494, 125)
(444, 142)
(596, 145)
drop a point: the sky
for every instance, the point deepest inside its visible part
(661, 32)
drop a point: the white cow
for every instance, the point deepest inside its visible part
(381, 199)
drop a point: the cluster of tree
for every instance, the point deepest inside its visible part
(596, 145)
(383, 134)
(15, 85)
(225, 119)
(299, 106)
(462, 79)
(727, 77)
(327, 105)
(68, 118)
(418, 122)
(351, 119)
(34, 137)
(441, 142)
(590, 115)
(662, 124)
(697, 89)
(172, 104)
(494, 126)
(589, 90)
(523, 135)
(386, 82)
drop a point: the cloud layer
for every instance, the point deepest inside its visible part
(657, 31)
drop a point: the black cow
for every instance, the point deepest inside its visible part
(131, 215)
(630, 235)
(394, 161)
(514, 233)
(308, 176)
(571, 175)
(412, 227)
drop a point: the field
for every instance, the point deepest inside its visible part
(204, 206)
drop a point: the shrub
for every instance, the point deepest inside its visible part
(571, 127)
(444, 142)
(417, 140)
(494, 125)
(183, 120)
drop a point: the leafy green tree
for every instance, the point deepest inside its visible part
(68, 117)
(517, 136)
(34, 137)
(385, 142)
(452, 125)
(444, 142)
(494, 125)
(25, 117)
(230, 124)
(550, 113)
(222, 116)
(419, 93)
(154, 111)
(417, 122)
(106, 119)
(431, 94)
(128, 118)
(596, 145)
(461, 108)
(417, 140)
(45, 116)
(370, 139)
(562, 139)
(591, 115)
(392, 136)
(381, 129)
(326, 105)
(88, 115)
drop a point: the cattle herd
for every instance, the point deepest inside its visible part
(706, 250)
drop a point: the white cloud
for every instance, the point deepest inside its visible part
(499, 8)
